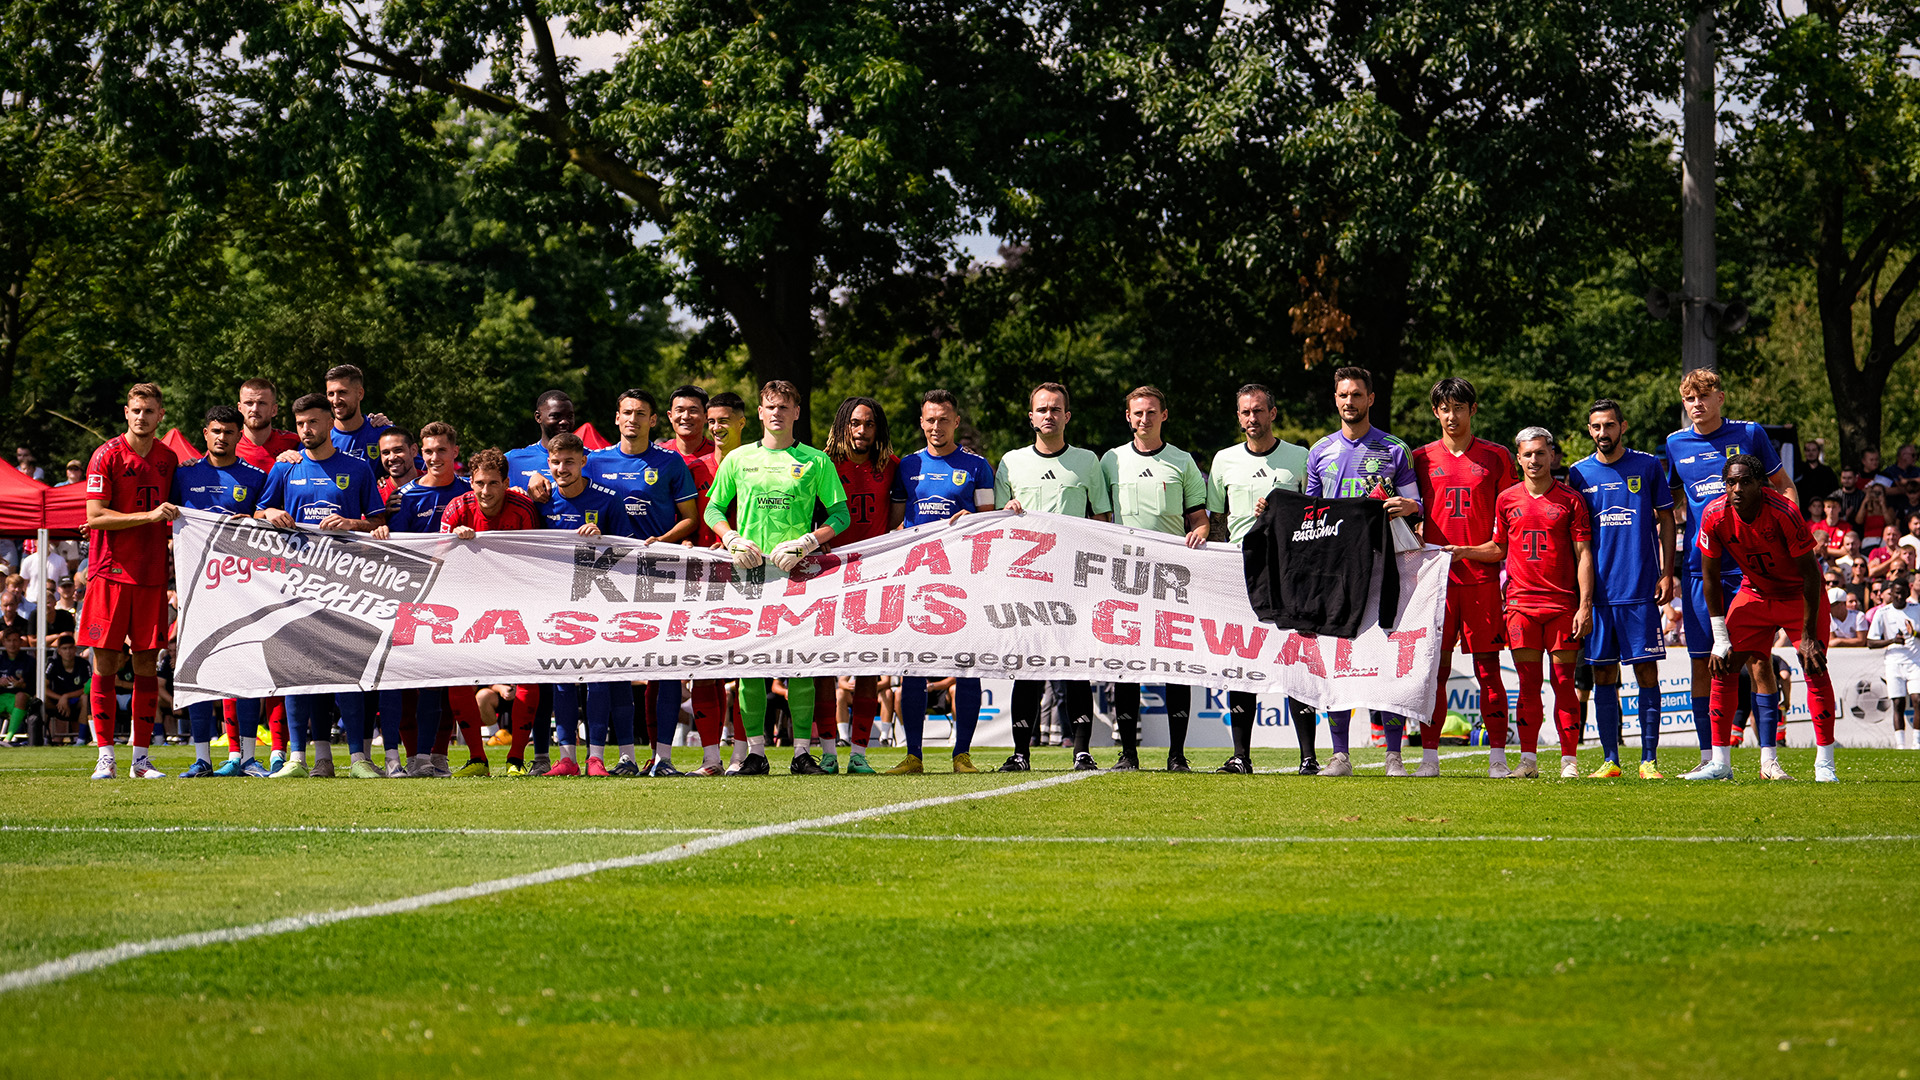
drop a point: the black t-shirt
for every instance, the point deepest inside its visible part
(62, 681)
(1310, 563)
(18, 666)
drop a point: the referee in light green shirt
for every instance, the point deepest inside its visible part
(1237, 489)
(1054, 478)
(1158, 488)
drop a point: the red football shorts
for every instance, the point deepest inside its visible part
(121, 617)
(1547, 631)
(1474, 619)
(1752, 621)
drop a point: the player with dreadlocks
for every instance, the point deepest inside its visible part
(861, 449)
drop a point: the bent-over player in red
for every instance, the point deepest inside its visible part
(1763, 533)
(1543, 532)
(125, 610)
(492, 506)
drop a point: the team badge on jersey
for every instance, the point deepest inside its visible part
(239, 493)
(960, 477)
(653, 476)
(593, 517)
(340, 480)
(796, 470)
(1633, 484)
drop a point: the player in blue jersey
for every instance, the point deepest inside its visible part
(415, 507)
(1631, 509)
(942, 482)
(553, 412)
(326, 489)
(353, 433)
(660, 494)
(1695, 455)
(1361, 461)
(220, 483)
(579, 505)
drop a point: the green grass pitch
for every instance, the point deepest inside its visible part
(1362, 926)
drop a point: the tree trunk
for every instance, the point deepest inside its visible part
(774, 315)
(1381, 310)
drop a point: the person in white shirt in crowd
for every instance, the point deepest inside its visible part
(41, 569)
(1849, 622)
(23, 460)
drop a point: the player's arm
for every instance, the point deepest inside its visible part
(383, 530)
(100, 516)
(1490, 552)
(1198, 526)
(896, 514)
(1716, 611)
(1663, 591)
(1583, 618)
(1813, 655)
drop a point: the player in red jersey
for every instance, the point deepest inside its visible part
(687, 416)
(493, 506)
(1543, 524)
(1762, 531)
(861, 449)
(261, 444)
(1461, 478)
(125, 610)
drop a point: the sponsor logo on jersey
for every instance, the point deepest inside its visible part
(1633, 484)
(1146, 474)
(1048, 475)
(1617, 516)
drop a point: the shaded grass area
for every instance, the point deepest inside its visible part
(846, 955)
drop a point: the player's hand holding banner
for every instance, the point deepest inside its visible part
(268, 611)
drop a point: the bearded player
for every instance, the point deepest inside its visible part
(861, 449)
(773, 488)
(1461, 478)
(1761, 531)
(125, 610)
(1541, 530)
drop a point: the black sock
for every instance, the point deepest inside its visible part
(1126, 713)
(543, 722)
(1240, 707)
(1082, 737)
(1026, 713)
(1306, 724)
(1179, 708)
(1079, 713)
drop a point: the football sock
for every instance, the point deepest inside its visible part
(757, 744)
(663, 708)
(275, 710)
(1430, 755)
(1240, 713)
(526, 702)
(1703, 723)
(1606, 716)
(1722, 755)
(800, 704)
(1339, 725)
(245, 723)
(1493, 693)
(1649, 701)
(626, 751)
(753, 708)
(1532, 708)
(1306, 725)
(620, 713)
(323, 751)
(1820, 702)
(392, 705)
(1568, 720)
(1395, 729)
(1726, 689)
(1025, 712)
(966, 714)
(247, 747)
(864, 711)
(426, 722)
(353, 717)
(146, 701)
(1497, 756)
(1824, 754)
(1126, 715)
(1766, 724)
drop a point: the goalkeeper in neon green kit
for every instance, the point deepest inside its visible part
(773, 487)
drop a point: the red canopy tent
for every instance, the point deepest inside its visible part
(27, 506)
(181, 448)
(593, 439)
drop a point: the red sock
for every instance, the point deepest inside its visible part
(826, 709)
(106, 705)
(233, 729)
(275, 710)
(709, 712)
(526, 702)
(1533, 711)
(1566, 710)
(1493, 699)
(1722, 701)
(467, 711)
(864, 711)
(146, 700)
(1820, 702)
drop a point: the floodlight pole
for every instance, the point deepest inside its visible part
(1697, 259)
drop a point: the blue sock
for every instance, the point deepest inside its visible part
(599, 713)
(426, 721)
(353, 717)
(913, 711)
(1766, 718)
(1606, 716)
(246, 720)
(1395, 729)
(1703, 722)
(663, 706)
(966, 713)
(299, 715)
(392, 704)
(203, 719)
(1338, 726)
(566, 713)
(620, 694)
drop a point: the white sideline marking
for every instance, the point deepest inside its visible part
(347, 829)
(1481, 839)
(80, 963)
(1443, 757)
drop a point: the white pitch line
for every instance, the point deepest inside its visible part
(1443, 757)
(347, 830)
(1481, 839)
(80, 963)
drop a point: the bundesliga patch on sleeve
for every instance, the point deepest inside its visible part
(96, 484)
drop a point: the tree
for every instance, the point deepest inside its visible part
(1828, 171)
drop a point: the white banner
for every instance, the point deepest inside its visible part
(266, 611)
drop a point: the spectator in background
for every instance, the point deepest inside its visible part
(1849, 624)
(1856, 582)
(1904, 467)
(1902, 499)
(1849, 491)
(1849, 555)
(1870, 470)
(1887, 557)
(40, 569)
(1830, 529)
(63, 617)
(76, 472)
(1871, 515)
(23, 460)
(10, 617)
(68, 677)
(1816, 477)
